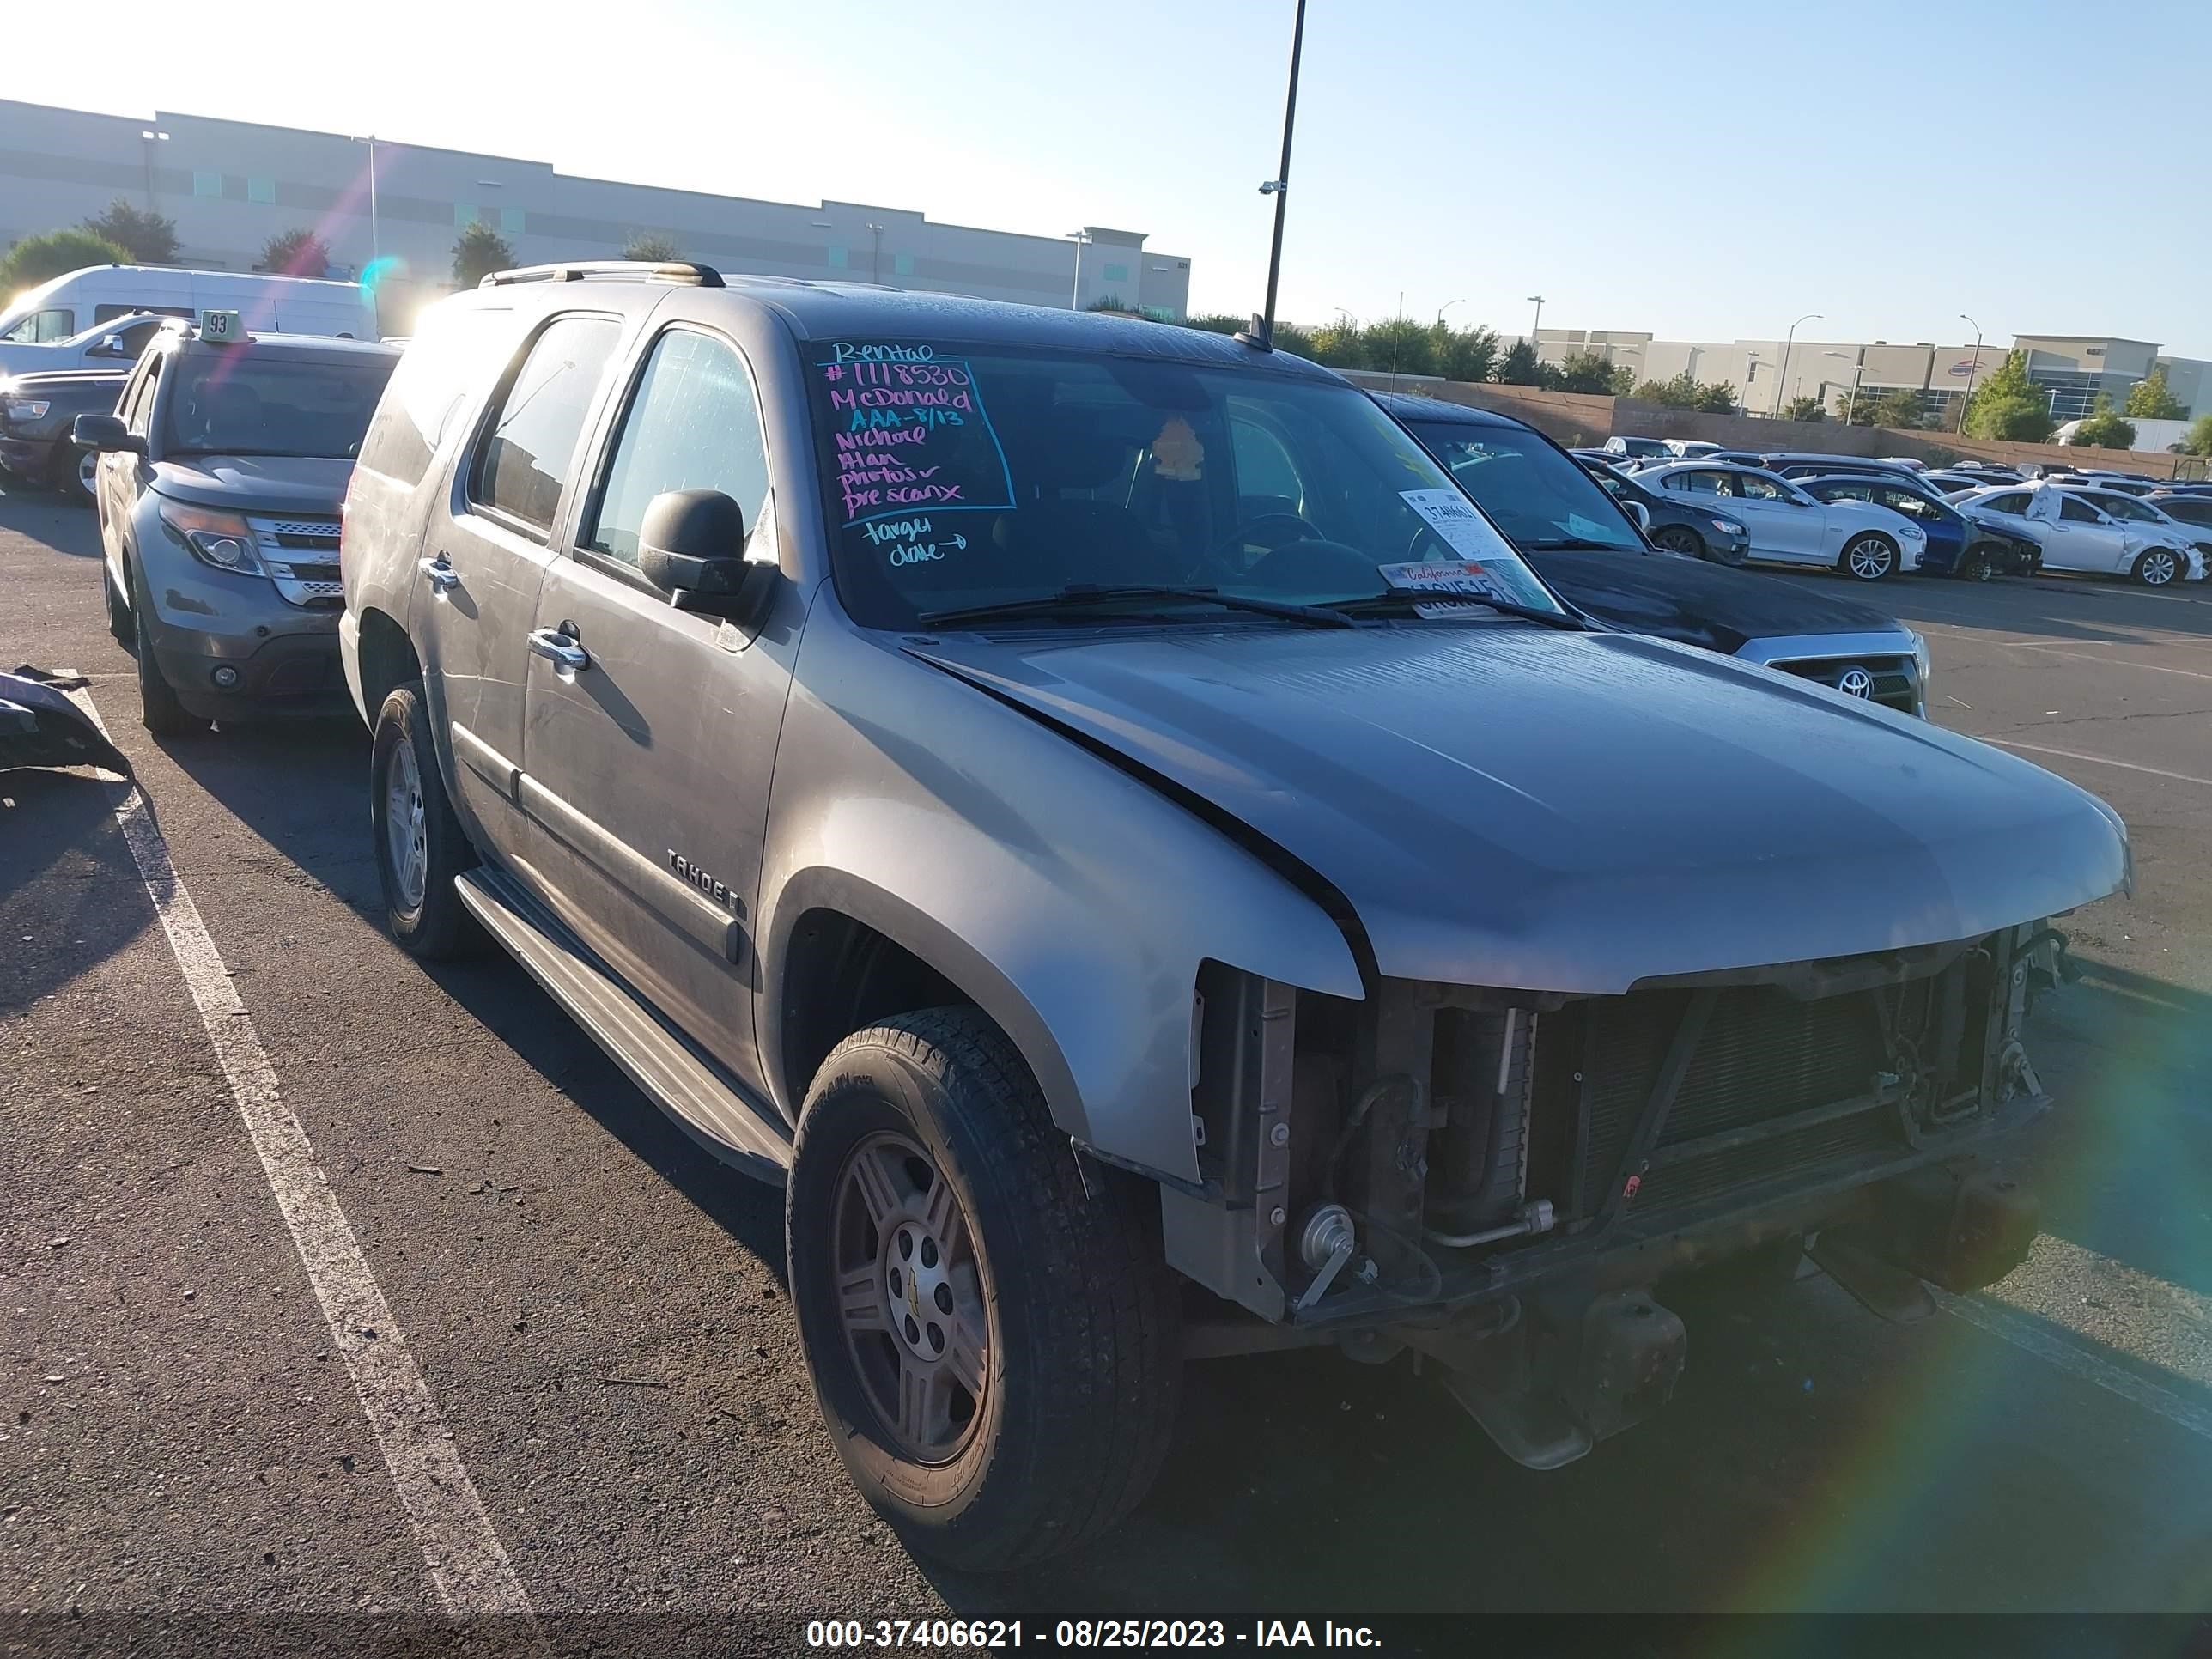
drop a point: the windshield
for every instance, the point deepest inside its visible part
(955, 478)
(237, 403)
(1538, 497)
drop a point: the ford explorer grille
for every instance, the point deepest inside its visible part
(302, 557)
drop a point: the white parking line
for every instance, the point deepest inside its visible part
(467, 1562)
(2098, 760)
(2113, 662)
(2028, 1337)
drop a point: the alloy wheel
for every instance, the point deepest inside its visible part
(2158, 568)
(1869, 559)
(910, 1298)
(405, 844)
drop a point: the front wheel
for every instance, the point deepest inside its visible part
(992, 1332)
(1868, 557)
(76, 473)
(160, 711)
(2158, 566)
(419, 843)
(1680, 538)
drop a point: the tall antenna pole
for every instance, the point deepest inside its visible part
(1279, 186)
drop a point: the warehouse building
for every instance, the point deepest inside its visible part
(1769, 374)
(231, 185)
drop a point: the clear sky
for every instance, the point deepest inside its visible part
(1703, 171)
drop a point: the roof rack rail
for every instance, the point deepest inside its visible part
(686, 271)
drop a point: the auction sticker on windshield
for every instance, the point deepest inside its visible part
(1463, 530)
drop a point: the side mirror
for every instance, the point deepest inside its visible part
(106, 433)
(691, 545)
(110, 346)
(1640, 513)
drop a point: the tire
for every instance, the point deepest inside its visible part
(73, 472)
(1868, 556)
(421, 907)
(159, 710)
(2158, 566)
(1679, 538)
(1056, 1428)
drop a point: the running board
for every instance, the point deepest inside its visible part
(748, 1136)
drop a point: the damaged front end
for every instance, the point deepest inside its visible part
(1495, 1179)
(40, 726)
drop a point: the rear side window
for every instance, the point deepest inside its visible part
(694, 424)
(2014, 502)
(523, 464)
(451, 354)
(1754, 487)
(138, 404)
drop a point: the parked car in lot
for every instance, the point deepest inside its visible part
(2192, 508)
(2076, 532)
(1807, 464)
(112, 346)
(1642, 449)
(36, 412)
(1680, 527)
(1590, 550)
(1097, 812)
(1688, 449)
(1788, 527)
(218, 486)
(1957, 546)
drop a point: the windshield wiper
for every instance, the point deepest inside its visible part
(1401, 598)
(1574, 544)
(1084, 595)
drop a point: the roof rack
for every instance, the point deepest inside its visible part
(686, 271)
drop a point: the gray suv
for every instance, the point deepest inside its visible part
(1095, 813)
(218, 486)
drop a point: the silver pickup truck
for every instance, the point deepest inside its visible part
(1094, 811)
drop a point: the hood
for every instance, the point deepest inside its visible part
(62, 380)
(1515, 807)
(1699, 603)
(251, 484)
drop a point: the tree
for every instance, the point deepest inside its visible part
(2008, 405)
(1804, 409)
(1717, 399)
(297, 253)
(1622, 382)
(478, 252)
(1339, 345)
(1897, 407)
(147, 237)
(1468, 353)
(1218, 322)
(1585, 371)
(1400, 346)
(652, 249)
(2150, 400)
(2103, 429)
(36, 259)
(2198, 440)
(1519, 366)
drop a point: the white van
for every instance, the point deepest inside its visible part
(73, 306)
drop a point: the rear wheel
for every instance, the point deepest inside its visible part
(992, 1332)
(159, 710)
(1679, 538)
(2158, 566)
(419, 845)
(1868, 557)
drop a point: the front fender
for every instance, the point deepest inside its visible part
(1071, 901)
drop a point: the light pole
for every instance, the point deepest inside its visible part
(1445, 306)
(1972, 372)
(1782, 380)
(370, 140)
(1075, 296)
(876, 254)
(1850, 406)
(1536, 327)
(1279, 186)
(147, 137)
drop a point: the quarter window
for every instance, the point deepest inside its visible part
(1700, 483)
(1754, 488)
(2016, 502)
(138, 416)
(694, 424)
(524, 463)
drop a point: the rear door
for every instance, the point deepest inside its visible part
(647, 754)
(485, 546)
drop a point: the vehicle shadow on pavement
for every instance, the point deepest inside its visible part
(69, 893)
(303, 789)
(59, 524)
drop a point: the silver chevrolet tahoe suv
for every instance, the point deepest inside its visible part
(1092, 809)
(218, 485)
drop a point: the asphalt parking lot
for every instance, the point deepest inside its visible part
(597, 1309)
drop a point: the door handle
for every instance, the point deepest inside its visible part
(560, 649)
(439, 573)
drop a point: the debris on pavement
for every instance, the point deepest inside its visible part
(40, 726)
